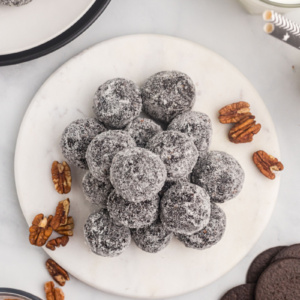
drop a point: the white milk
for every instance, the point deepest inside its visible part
(259, 6)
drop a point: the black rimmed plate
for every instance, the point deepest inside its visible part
(43, 26)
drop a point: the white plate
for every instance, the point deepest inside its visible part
(67, 95)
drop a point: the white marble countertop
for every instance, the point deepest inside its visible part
(222, 26)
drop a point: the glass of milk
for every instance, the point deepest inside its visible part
(259, 6)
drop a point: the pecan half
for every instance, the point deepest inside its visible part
(66, 229)
(61, 177)
(243, 131)
(61, 214)
(267, 164)
(53, 293)
(59, 274)
(234, 112)
(55, 243)
(40, 230)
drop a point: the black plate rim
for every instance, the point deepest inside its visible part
(59, 41)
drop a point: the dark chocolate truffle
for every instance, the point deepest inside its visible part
(96, 191)
(210, 234)
(142, 130)
(185, 208)
(76, 139)
(132, 214)
(152, 238)
(117, 102)
(220, 175)
(137, 174)
(103, 236)
(177, 151)
(168, 94)
(103, 148)
(197, 126)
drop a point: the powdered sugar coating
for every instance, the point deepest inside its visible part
(152, 238)
(185, 208)
(103, 236)
(137, 174)
(132, 214)
(168, 94)
(210, 234)
(142, 130)
(117, 102)
(177, 151)
(197, 126)
(14, 2)
(96, 191)
(103, 148)
(76, 139)
(220, 175)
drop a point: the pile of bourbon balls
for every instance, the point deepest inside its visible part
(151, 176)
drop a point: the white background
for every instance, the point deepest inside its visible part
(222, 26)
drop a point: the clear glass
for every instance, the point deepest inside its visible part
(12, 294)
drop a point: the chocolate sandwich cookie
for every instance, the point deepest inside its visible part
(103, 236)
(142, 130)
(177, 151)
(117, 102)
(14, 2)
(197, 126)
(260, 263)
(103, 148)
(292, 251)
(281, 280)
(241, 292)
(137, 174)
(168, 94)
(76, 139)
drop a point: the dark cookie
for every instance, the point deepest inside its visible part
(142, 130)
(103, 148)
(96, 191)
(241, 292)
(260, 263)
(152, 238)
(168, 94)
(117, 102)
(220, 175)
(76, 139)
(197, 126)
(210, 235)
(137, 174)
(281, 280)
(103, 236)
(132, 214)
(185, 208)
(292, 251)
(14, 2)
(177, 151)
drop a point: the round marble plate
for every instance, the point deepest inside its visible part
(67, 95)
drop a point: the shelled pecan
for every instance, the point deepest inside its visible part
(55, 243)
(40, 230)
(61, 177)
(59, 274)
(267, 164)
(234, 112)
(61, 214)
(244, 130)
(53, 293)
(66, 229)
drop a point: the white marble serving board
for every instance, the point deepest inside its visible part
(67, 95)
(30, 25)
